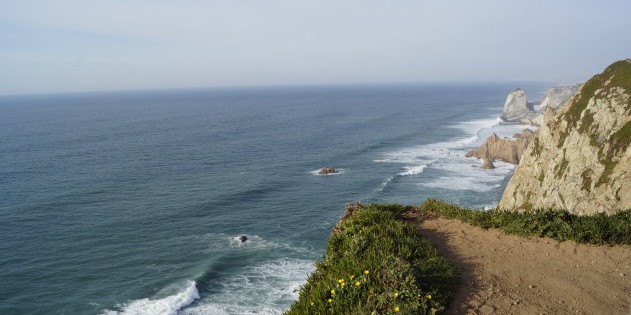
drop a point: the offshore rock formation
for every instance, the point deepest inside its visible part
(516, 107)
(496, 148)
(579, 160)
(488, 161)
(558, 97)
(327, 171)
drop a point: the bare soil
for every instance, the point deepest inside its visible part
(507, 274)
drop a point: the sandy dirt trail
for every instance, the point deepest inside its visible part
(507, 274)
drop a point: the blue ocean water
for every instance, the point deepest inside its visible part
(132, 202)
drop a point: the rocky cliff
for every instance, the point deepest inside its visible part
(579, 160)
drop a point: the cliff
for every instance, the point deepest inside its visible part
(579, 159)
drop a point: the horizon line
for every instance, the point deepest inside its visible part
(283, 85)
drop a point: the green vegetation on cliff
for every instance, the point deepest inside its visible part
(601, 86)
(376, 263)
(560, 225)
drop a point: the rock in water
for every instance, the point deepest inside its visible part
(516, 107)
(327, 170)
(495, 148)
(555, 99)
(558, 97)
(579, 160)
(488, 161)
(243, 238)
(488, 164)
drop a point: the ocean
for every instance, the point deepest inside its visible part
(133, 202)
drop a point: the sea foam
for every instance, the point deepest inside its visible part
(267, 288)
(169, 305)
(456, 171)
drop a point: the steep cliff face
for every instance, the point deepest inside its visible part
(580, 160)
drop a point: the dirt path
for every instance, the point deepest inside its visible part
(506, 274)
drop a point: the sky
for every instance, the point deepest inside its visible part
(86, 45)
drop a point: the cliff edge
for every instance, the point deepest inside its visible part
(579, 159)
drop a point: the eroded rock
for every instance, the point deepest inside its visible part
(496, 148)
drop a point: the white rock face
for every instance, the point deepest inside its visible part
(557, 97)
(516, 107)
(580, 158)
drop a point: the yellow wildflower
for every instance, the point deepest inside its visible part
(340, 281)
(330, 300)
(366, 272)
(342, 284)
(429, 296)
(332, 292)
(357, 283)
(352, 276)
(365, 280)
(396, 294)
(396, 309)
(311, 303)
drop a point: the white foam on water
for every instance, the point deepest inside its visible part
(252, 241)
(268, 288)
(413, 170)
(474, 126)
(457, 171)
(409, 171)
(168, 305)
(464, 175)
(383, 185)
(220, 241)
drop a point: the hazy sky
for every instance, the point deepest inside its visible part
(61, 45)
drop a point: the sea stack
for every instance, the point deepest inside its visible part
(516, 107)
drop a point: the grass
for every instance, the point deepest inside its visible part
(617, 74)
(376, 263)
(599, 229)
